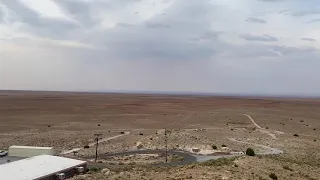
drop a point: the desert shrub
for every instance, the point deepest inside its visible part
(267, 127)
(273, 176)
(287, 168)
(121, 132)
(214, 147)
(99, 125)
(219, 162)
(177, 158)
(94, 169)
(223, 145)
(296, 135)
(250, 152)
(141, 134)
(261, 178)
(86, 147)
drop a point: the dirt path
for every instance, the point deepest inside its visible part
(252, 120)
(94, 143)
(260, 129)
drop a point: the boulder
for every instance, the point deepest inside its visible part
(81, 177)
(161, 131)
(105, 171)
(195, 150)
(139, 145)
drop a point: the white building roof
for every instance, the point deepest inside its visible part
(30, 147)
(36, 167)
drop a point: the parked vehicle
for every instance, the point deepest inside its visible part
(3, 153)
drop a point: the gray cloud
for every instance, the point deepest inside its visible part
(36, 24)
(124, 25)
(256, 20)
(305, 13)
(284, 11)
(272, 0)
(287, 50)
(138, 55)
(164, 43)
(314, 21)
(80, 10)
(1, 15)
(210, 35)
(157, 25)
(266, 38)
(308, 39)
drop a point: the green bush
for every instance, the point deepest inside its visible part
(214, 147)
(250, 152)
(177, 158)
(94, 169)
(273, 176)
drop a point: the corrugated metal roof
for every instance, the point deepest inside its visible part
(36, 167)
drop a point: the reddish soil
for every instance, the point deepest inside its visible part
(22, 110)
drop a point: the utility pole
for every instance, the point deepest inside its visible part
(97, 136)
(166, 141)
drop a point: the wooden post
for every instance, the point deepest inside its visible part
(97, 136)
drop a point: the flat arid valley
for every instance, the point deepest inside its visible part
(206, 137)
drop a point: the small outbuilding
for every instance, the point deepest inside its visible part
(29, 151)
(43, 167)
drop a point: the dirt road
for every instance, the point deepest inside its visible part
(260, 129)
(94, 143)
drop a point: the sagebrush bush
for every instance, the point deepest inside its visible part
(214, 147)
(250, 152)
(273, 176)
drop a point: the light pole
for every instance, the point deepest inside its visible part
(97, 136)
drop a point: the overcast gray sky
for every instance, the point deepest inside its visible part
(213, 46)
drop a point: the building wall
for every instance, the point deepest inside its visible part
(29, 152)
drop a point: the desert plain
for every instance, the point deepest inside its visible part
(284, 132)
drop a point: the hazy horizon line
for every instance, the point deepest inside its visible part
(182, 93)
